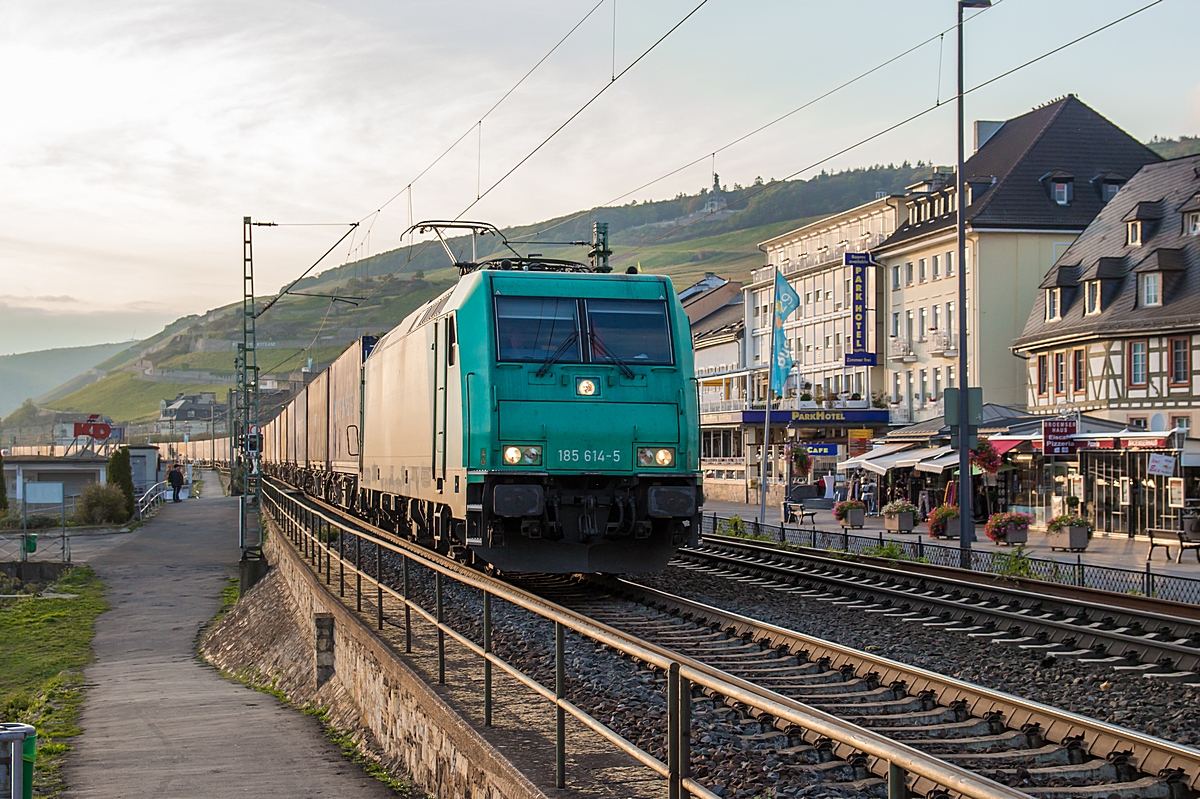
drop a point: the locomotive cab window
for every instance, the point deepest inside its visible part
(536, 328)
(629, 331)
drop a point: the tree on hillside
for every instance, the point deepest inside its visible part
(3, 490)
(120, 473)
(24, 416)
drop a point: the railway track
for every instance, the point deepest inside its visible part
(1037, 749)
(1156, 638)
(1032, 748)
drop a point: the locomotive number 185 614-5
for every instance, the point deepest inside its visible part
(589, 456)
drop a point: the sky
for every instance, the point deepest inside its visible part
(137, 135)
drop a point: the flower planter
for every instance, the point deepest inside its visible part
(1072, 538)
(1015, 535)
(950, 530)
(900, 523)
(855, 517)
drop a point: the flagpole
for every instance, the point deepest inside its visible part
(766, 447)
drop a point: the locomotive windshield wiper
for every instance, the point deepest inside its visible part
(558, 353)
(605, 351)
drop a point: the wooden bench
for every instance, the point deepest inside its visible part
(794, 513)
(1184, 538)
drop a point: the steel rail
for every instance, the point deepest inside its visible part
(1182, 657)
(893, 756)
(1153, 754)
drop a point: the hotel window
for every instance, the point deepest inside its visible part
(1053, 298)
(896, 387)
(1133, 233)
(908, 273)
(937, 317)
(924, 317)
(1041, 375)
(935, 267)
(949, 264)
(937, 384)
(924, 386)
(1136, 363)
(837, 346)
(829, 295)
(896, 277)
(1151, 283)
(908, 325)
(1060, 373)
(921, 273)
(950, 377)
(950, 318)
(1181, 367)
(808, 298)
(1079, 371)
(1093, 296)
(895, 323)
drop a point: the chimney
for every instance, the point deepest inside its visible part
(984, 130)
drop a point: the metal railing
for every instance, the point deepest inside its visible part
(18, 781)
(899, 347)
(323, 540)
(154, 496)
(1138, 582)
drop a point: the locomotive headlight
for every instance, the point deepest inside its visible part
(586, 387)
(656, 456)
(523, 456)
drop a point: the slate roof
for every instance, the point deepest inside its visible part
(729, 319)
(1064, 139)
(1101, 253)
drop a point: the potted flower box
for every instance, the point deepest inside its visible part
(806, 401)
(1008, 528)
(1068, 532)
(850, 513)
(899, 516)
(943, 522)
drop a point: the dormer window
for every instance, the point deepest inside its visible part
(1151, 289)
(1053, 304)
(1133, 231)
(1062, 192)
(1093, 296)
(1192, 224)
(1109, 190)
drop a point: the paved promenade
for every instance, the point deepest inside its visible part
(159, 723)
(1118, 551)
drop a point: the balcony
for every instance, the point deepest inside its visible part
(899, 414)
(944, 345)
(901, 349)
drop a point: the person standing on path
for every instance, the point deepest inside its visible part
(175, 479)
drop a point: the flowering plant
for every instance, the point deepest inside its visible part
(843, 508)
(898, 506)
(938, 518)
(998, 525)
(985, 457)
(1067, 520)
(801, 460)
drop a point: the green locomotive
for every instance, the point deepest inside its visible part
(541, 415)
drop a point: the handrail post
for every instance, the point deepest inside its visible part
(407, 610)
(673, 731)
(441, 635)
(341, 564)
(896, 784)
(560, 717)
(327, 528)
(487, 664)
(358, 572)
(685, 734)
(379, 585)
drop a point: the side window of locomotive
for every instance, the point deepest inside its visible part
(632, 331)
(451, 340)
(536, 328)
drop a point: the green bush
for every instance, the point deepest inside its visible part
(732, 526)
(101, 504)
(120, 474)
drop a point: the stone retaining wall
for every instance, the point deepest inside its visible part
(412, 728)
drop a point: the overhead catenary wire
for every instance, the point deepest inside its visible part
(905, 121)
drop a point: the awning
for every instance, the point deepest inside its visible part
(1003, 445)
(939, 465)
(858, 461)
(884, 464)
(915, 457)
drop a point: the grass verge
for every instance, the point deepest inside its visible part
(44, 644)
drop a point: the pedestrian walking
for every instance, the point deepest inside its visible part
(175, 479)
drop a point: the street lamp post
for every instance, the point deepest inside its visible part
(966, 522)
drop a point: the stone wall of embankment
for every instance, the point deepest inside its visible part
(272, 633)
